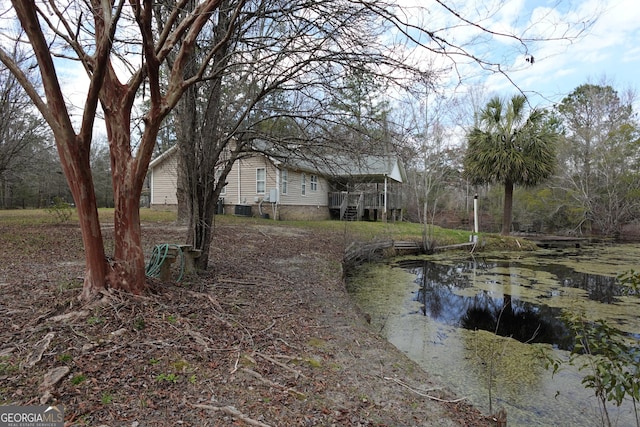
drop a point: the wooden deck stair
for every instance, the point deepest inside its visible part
(350, 213)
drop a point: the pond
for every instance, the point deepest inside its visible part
(478, 325)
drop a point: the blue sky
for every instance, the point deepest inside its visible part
(609, 49)
(573, 42)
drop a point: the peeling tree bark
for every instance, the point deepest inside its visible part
(129, 162)
(73, 148)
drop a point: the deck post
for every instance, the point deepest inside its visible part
(384, 214)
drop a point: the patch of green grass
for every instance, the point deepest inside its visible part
(154, 361)
(171, 378)
(106, 398)
(314, 363)
(78, 379)
(139, 323)
(69, 285)
(180, 365)
(6, 367)
(364, 230)
(64, 357)
(95, 320)
(247, 360)
(26, 217)
(316, 342)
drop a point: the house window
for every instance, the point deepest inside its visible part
(285, 180)
(314, 182)
(303, 185)
(260, 180)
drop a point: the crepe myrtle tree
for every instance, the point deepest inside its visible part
(121, 52)
(511, 146)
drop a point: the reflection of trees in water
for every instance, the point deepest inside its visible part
(507, 316)
(437, 283)
(603, 289)
(519, 320)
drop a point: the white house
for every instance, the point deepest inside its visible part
(292, 189)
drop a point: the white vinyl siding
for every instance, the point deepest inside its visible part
(294, 196)
(241, 183)
(164, 182)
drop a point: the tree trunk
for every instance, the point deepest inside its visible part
(186, 132)
(204, 226)
(76, 166)
(128, 267)
(508, 207)
(182, 195)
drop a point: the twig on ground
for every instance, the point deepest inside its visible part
(282, 365)
(292, 391)
(288, 345)
(263, 379)
(422, 393)
(235, 365)
(230, 410)
(273, 323)
(237, 282)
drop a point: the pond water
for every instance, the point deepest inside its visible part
(478, 325)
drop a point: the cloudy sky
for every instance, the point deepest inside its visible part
(609, 48)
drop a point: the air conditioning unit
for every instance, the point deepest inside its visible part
(242, 210)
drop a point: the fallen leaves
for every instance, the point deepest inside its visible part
(266, 337)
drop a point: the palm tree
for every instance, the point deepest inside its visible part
(510, 148)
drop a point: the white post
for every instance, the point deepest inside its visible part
(384, 217)
(475, 217)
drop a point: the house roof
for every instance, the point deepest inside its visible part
(372, 168)
(162, 157)
(369, 167)
(376, 166)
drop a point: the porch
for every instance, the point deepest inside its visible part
(365, 205)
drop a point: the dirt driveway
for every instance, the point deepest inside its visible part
(267, 337)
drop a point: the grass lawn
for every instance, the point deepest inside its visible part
(351, 231)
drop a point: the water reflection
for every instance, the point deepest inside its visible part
(419, 308)
(477, 294)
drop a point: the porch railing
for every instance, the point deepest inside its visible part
(364, 200)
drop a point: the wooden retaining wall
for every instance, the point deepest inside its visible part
(359, 253)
